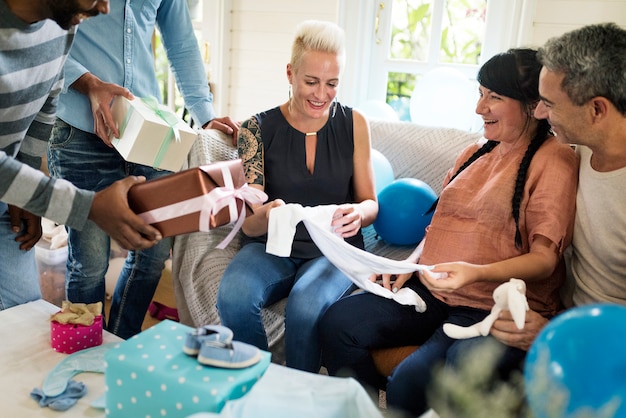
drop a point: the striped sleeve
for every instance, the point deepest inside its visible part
(31, 78)
(32, 190)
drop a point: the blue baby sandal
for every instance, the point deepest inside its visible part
(233, 355)
(195, 338)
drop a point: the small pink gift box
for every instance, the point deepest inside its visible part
(69, 338)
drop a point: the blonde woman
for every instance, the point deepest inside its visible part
(310, 150)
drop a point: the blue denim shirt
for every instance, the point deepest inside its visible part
(117, 48)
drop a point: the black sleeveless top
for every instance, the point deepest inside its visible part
(287, 177)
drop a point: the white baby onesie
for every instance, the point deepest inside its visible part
(355, 263)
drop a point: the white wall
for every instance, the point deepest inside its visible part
(555, 17)
(259, 34)
(251, 41)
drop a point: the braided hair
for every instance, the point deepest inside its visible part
(514, 74)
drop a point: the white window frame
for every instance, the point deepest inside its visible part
(508, 25)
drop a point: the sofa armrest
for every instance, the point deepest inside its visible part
(212, 145)
(197, 266)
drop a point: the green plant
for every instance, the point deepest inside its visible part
(462, 30)
(473, 391)
(410, 32)
(161, 67)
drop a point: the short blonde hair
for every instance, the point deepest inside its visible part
(317, 35)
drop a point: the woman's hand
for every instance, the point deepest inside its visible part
(398, 280)
(256, 224)
(346, 221)
(226, 125)
(392, 282)
(271, 205)
(447, 277)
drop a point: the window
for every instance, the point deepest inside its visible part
(167, 84)
(426, 53)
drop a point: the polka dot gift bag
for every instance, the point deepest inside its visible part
(76, 326)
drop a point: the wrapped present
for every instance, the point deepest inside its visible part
(150, 134)
(70, 338)
(150, 375)
(197, 199)
(76, 326)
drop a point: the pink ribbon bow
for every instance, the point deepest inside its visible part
(210, 204)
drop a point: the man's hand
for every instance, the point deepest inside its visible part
(110, 211)
(505, 330)
(226, 125)
(27, 227)
(101, 96)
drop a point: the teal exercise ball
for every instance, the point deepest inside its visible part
(578, 363)
(402, 207)
(383, 171)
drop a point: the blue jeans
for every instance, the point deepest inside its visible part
(19, 279)
(359, 323)
(83, 159)
(255, 279)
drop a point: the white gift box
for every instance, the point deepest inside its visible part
(151, 134)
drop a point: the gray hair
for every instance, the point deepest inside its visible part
(317, 35)
(593, 59)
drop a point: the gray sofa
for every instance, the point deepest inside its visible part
(414, 151)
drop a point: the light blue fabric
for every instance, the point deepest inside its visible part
(233, 355)
(87, 360)
(100, 402)
(117, 48)
(19, 280)
(62, 402)
(194, 339)
(286, 393)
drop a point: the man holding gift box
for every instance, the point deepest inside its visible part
(112, 56)
(36, 37)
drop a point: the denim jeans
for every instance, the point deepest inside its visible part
(19, 279)
(255, 279)
(357, 324)
(83, 159)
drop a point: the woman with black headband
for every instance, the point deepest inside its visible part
(506, 211)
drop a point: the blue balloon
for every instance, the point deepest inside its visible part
(402, 207)
(377, 109)
(578, 362)
(383, 171)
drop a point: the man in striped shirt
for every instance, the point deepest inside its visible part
(35, 38)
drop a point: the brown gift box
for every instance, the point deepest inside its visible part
(186, 187)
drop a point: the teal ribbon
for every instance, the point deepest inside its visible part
(168, 117)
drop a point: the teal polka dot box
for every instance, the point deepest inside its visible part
(148, 375)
